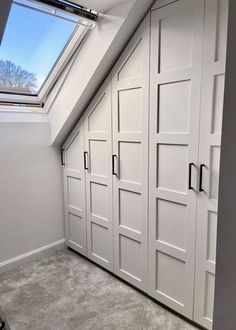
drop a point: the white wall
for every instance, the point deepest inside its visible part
(31, 199)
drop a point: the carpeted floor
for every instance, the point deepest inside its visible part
(67, 292)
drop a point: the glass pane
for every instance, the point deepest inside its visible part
(34, 39)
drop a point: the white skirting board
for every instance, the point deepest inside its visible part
(31, 255)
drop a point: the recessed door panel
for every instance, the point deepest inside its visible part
(130, 110)
(220, 32)
(76, 231)
(173, 112)
(75, 188)
(75, 149)
(172, 167)
(130, 210)
(211, 236)
(98, 157)
(209, 296)
(130, 162)
(97, 120)
(130, 261)
(171, 223)
(99, 200)
(214, 172)
(218, 90)
(100, 242)
(132, 66)
(170, 277)
(176, 40)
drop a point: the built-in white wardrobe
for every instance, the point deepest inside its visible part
(141, 167)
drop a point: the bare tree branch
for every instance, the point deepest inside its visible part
(12, 75)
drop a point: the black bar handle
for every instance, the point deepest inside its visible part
(85, 160)
(62, 157)
(113, 165)
(190, 176)
(2, 325)
(200, 177)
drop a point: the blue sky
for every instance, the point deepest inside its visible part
(34, 40)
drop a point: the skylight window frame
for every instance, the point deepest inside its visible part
(35, 102)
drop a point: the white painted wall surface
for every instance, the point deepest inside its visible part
(31, 198)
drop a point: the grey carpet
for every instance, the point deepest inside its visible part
(66, 292)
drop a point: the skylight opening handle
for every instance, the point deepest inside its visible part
(72, 8)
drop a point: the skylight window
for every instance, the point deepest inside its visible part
(38, 41)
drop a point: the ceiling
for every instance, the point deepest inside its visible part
(100, 6)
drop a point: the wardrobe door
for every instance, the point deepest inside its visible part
(74, 190)
(214, 56)
(176, 60)
(97, 133)
(130, 160)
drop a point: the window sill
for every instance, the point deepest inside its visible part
(9, 114)
(22, 109)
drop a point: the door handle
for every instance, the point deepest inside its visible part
(2, 324)
(62, 157)
(200, 177)
(113, 165)
(190, 176)
(85, 160)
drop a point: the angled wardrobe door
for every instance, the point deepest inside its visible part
(175, 82)
(98, 144)
(130, 158)
(214, 57)
(74, 190)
